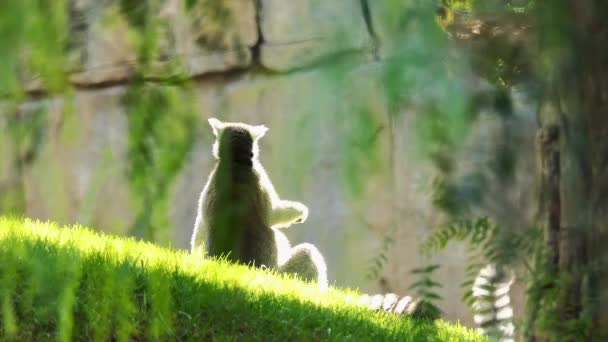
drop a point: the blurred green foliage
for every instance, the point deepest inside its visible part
(426, 289)
(26, 137)
(163, 122)
(34, 40)
(37, 47)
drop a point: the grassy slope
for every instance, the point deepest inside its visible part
(73, 283)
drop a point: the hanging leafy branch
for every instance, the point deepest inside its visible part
(487, 243)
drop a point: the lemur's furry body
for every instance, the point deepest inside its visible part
(240, 213)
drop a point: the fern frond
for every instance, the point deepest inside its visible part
(381, 257)
(472, 231)
(425, 288)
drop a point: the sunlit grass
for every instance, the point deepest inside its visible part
(65, 283)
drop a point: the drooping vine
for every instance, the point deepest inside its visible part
(162, 121)
(33, 58)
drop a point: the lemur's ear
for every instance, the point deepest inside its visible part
(216, 125)
(258, 131)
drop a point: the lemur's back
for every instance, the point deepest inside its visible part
(240, 214)
(235, 205)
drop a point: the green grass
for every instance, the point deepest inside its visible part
(70, 283)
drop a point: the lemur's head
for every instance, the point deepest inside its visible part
(236, 141)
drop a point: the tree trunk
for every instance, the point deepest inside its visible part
(585, 189)
(549, 214)
(580, 83)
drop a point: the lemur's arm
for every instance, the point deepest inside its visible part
(286, 213)
(282, 213)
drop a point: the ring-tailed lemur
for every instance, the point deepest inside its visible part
(240, 214)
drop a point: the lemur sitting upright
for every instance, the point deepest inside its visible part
(240, 213)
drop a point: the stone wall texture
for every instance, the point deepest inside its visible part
(263, 65)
